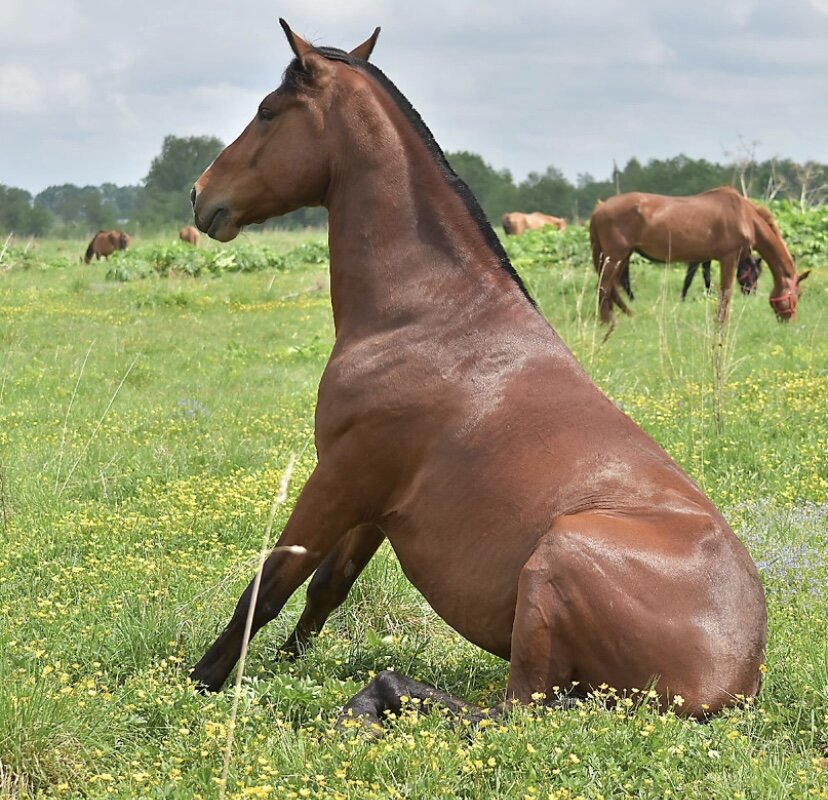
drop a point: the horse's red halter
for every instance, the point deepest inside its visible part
(790, 297)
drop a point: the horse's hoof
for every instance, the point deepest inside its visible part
(362, 724)
(202, 686)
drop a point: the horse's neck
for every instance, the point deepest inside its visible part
(776, 255)
(402, 241)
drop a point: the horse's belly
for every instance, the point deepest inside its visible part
(467, 572)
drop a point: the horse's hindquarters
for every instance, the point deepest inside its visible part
(670, 602)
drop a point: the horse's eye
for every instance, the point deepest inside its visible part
(266, 114)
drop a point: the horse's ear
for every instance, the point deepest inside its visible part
(363, 51)
(299, 46)
(800, 278)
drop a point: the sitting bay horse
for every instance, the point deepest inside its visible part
(535, 517)
(516, 222)
(104, 244)
(718, 224)
(190, 235)
(747, 276)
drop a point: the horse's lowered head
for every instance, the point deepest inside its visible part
(282, 160)
(784, 302)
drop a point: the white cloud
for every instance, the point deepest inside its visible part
(39, 23)
(89, 89)
(27, 92)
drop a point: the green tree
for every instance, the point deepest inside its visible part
(494, 189)
(166, 197)
(77, 209)
(549, 193)
(18, 215)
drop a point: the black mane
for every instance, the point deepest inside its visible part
(294, 78)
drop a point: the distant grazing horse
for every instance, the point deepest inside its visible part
(516, 222)
(537, 519)
(190, 235)
(104, 244)
(747, 275)
(719, 224)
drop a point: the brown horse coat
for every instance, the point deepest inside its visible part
(105, 243)
(719, 224)
(190, 235)
(535, 517)
(516, 222)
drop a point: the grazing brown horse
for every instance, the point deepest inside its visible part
(104, 244)
(516, 222)
(190, 235)
(537, 519)
(719, 224)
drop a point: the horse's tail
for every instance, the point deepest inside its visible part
(595, 242)
(608, 287)
(122, 240)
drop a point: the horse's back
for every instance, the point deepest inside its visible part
(666, 228)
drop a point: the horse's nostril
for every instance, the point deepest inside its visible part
(193, 197)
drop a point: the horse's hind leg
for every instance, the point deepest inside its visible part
(540, 657)
(331, 583)
(384, 695)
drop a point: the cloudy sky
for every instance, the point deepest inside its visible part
(89, 88)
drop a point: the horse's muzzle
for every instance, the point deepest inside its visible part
(217, 222)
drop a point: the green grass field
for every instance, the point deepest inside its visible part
(144, 428)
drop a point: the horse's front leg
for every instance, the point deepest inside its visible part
(728, 266)
(331, 583)
(329, 506)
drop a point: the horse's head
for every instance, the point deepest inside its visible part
(747, 273)
(282, 159)
(784, 303)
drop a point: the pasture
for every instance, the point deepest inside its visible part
(145, 422)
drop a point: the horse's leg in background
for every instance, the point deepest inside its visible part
(688, 278)
(328, 507)
(331, 583)
(706, 275)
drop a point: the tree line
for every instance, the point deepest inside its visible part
(162, 200)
